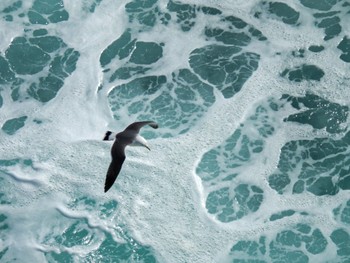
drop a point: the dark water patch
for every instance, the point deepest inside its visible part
(48, 44)
(303, 72)
(32, 55)
(233, 156)
(106, 209)
(209, 167)
(47, 11)
(344, 46)
(25, 58)
(210, 11)
(38, 121)
(11, 126)
(236, 22)
(284, 12)
(175, 103)
(332, 31)
(316, 49)
(47, 6)
(327, 22)
(112, 251)
(46, 89)
(90, 6)
(257, 33)
(77, 234)
(252, 248)
(135, 56)
(320, 166)
(332, 27)
(64, 64)
(138, 87)
(300, 53)
(131, 60)
(13, 7)
(325, 14)
(341, 239)
(282, 214)
(4, 229)
(3, 252)
(15, 87)
(36, 18)
(279, 11)
(146, 53)
(3, 198)
(61, 257)
(8, 18)
(233, 31)
(238, 150)
(40, 32)
(287, 244)
(230, 205)
(225, 67)
(3, 225)
(185, 13)
(11, 10)
(59, 16)
(120, 48)
(322, 5)
(317, 112)
(6, 74)
(315, 242)
(127, 72)
(342, 213)
(12, 162)
(83, 203)
(146, 13)
(229, 38)
(74, 233)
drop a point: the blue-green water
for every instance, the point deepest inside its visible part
(250, 163)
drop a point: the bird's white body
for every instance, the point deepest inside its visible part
(140, 141)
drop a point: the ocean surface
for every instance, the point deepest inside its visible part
(251, 163)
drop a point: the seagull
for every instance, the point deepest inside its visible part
(130, 136)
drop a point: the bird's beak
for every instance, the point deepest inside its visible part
(148, 148)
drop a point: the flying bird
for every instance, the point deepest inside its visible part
(130, 136)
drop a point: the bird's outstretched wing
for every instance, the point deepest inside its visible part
(136, 126)
(122, 139)
(118, 157)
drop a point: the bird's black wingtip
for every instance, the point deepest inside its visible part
(107, 187)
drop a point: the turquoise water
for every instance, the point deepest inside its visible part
(250, 163)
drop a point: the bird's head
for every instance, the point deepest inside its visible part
(109, 136)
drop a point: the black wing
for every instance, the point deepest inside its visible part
(112, 173)
(118, 157)
(136, 126)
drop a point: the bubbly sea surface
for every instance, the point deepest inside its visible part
(250, 164)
